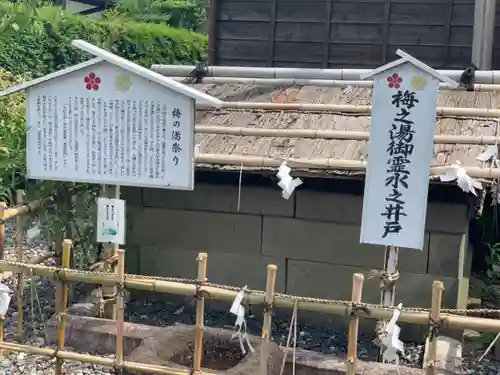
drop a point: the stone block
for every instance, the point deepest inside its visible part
(339, 208)
(132, 259)
(331, 281)
(444, 254)
(132, 195)
(196, 230)
(347, 209)
(331, 243)
(222, 268)
(447, 217)
(448, 354)
(222, 198)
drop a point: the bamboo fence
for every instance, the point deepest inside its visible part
(18, 212)
(435, 317)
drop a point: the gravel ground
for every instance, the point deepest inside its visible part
(152, 311)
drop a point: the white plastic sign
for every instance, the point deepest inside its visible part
(111, 220)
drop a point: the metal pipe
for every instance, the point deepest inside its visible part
(318, 83)
(482, 76)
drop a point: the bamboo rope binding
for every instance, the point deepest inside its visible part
(266, 325)
(66, 257)
(357, 291)
(254, 161)
(363, 110)
(20, 258)
(347, 135)
(435, 319)
(200, 309)
(120, 317)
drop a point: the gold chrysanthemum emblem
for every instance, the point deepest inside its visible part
(123, 82)
(418, 83)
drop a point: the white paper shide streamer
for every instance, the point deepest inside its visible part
(456, 173)
(393, 345)
(286, 182)
(491, 154)
(241, 324)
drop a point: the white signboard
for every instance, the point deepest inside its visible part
(399, 157)
(111, 221)
(103, 124)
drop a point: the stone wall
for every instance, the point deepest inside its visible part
(313, 238)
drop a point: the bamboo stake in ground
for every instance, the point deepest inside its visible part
(200, 309)
(66, 257)
(266, 325)
(20, 258)
(357, 291)
(437, 297)
(388, 293)
(3, 207)
(120, 318)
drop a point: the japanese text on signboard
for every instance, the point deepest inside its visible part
(399, 150)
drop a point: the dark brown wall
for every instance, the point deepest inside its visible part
(342, 33)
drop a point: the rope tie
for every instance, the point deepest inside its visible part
(387, 280)
(269, 308)
(201, 293)
(356, 310)
(57, 275)
(435, 326)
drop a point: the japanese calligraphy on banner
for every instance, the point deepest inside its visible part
(400, 153)
(105, 125)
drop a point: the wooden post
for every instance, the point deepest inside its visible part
(3, 207)
(200, 310)
(437, 297)
(66, 257)
(387, 297)
(20, 258)
(120, 318)
(109, 250)
(266, 325)
(357, 291)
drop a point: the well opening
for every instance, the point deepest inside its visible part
(217, 355)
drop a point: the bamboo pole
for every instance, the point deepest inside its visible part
(2, 328)
(25, 208)
(348, 135)
(448, 321)
(437, 297)
(95, 360)
(266, 325)
(110, 250)
(279, 82)
(66, 257)
(325, 163)
(364, 110)
(200, 309)
(482, 76)
(3, 207)
(120, 317)
(20, 258)
(352, 344)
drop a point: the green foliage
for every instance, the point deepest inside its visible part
(12, 138)
(41, 43)
(36, 40)
(188, 14)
